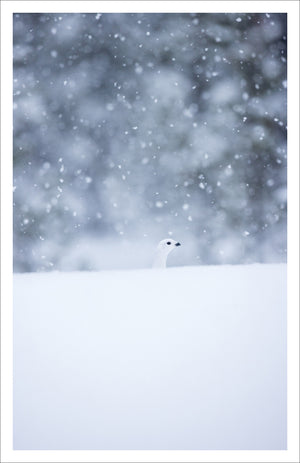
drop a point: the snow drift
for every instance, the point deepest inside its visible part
(182, 358)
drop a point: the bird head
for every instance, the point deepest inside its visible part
(167, 245)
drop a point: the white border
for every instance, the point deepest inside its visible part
(292, 8)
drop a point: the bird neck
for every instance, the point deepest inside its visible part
(160, 260)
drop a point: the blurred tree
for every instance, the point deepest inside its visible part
(128, 125)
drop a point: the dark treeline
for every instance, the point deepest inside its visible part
(133, 126)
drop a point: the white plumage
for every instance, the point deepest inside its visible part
(162, 251)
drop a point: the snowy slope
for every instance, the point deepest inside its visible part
(182, 358)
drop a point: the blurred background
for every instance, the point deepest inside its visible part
(130, 128)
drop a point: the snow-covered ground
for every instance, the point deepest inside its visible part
(182, 358)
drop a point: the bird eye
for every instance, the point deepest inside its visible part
(168, 242)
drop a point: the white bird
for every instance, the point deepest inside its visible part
(163, 249)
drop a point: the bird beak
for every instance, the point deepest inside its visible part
(177, 244)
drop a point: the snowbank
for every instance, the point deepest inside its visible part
(182, 358)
